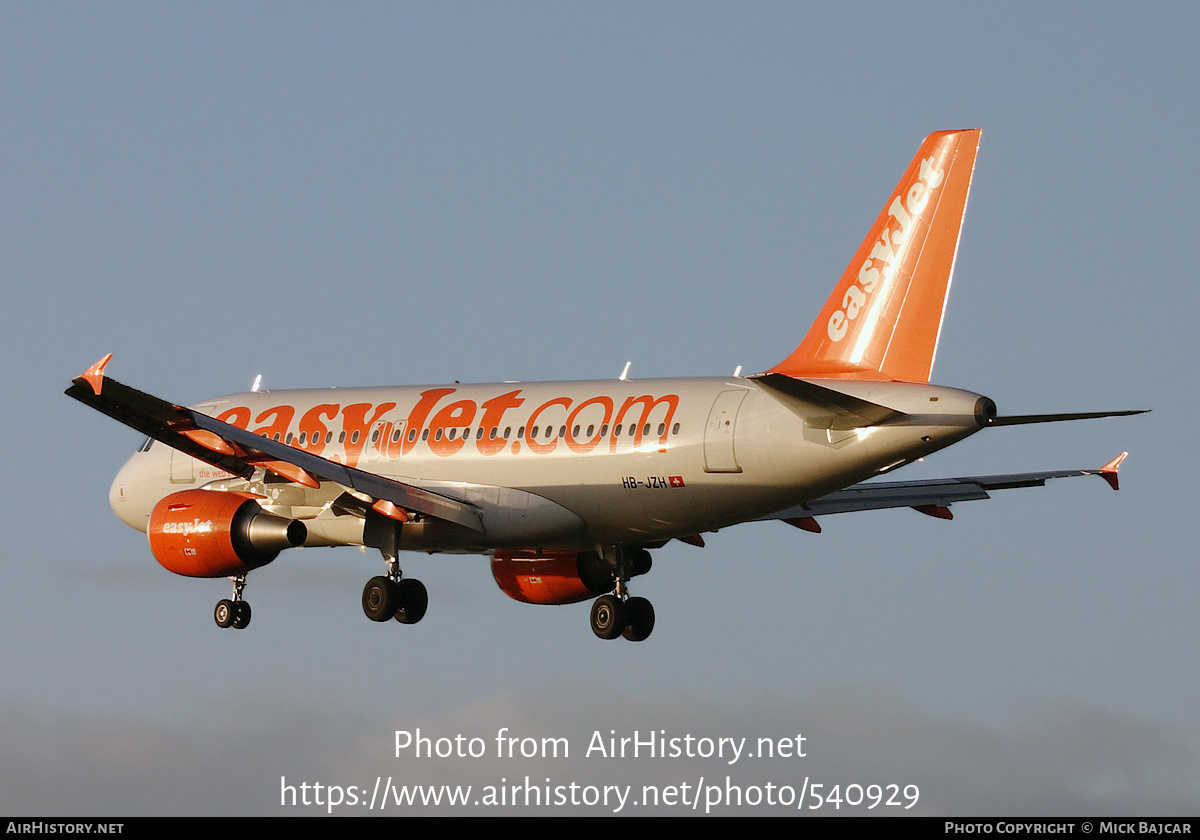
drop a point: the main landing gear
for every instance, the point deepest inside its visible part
(391, 596)
(616, 614)
(612, 617)
(233, 613)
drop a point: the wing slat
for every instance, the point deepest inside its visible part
(175, 426)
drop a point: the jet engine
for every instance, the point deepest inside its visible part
(560, 577)
(206, 533)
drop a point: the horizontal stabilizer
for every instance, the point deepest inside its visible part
(1024, 419)
(845, 411)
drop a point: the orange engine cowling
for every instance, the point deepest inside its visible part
(558, 577)
(206, 533)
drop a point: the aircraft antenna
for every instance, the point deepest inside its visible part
(625, 372)
(737, 371)
(257, 382)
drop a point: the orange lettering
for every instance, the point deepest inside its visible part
(283, 415)
(454, 416)
(493, 413)
(648, 403)
(542, 448)
(312, 427)
(416, 421)
(239, 417)
(357, 427)
(590, 444)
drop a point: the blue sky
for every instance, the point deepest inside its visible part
(412, 193)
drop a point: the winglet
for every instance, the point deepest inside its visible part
(95, 374)
(1109, 471)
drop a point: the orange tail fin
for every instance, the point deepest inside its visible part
(883, 319)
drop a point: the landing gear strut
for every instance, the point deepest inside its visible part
(390, 596)
(616, 614)
(233, 613)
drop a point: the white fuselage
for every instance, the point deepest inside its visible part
(564, 465)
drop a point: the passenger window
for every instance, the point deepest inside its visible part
(675, 429)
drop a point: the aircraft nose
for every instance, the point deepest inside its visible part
(121, 497)
(116, 493)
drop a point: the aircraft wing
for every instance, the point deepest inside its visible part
(931, 496)
(240, 451)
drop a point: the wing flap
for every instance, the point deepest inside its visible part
(932, 494)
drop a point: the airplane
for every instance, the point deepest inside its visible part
(567, 486)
